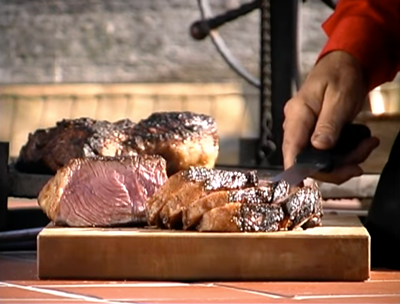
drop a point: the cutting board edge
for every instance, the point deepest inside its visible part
(352, 221)
(349, 266)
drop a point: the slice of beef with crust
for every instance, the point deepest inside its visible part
(242, 217)
(102, 191)
(253, 215)
(302, 207)
(193, 213)
(221, 219)
(166, 206)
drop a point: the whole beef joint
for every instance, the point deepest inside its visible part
(102, 191)
(214, 200)
(183, 139)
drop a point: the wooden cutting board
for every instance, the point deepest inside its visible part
(340, 250)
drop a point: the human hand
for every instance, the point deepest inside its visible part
(332, 95)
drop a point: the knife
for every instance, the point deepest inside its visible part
(312, 160)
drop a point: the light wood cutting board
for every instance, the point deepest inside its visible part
(339, 250)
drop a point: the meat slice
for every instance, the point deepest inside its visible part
(304, 205)
(242, 217)
(221, 219)
(193, 213)
(302, 208)
(166, 206)
(102, 191)
(183, 139)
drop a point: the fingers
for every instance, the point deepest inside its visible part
(298, 126)
(342, 100)
(363, 151)
(350, 166)
(335, 112)
(339, 175)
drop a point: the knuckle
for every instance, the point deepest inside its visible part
(289, 105)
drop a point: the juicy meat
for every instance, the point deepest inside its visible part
(102, 191)
(242, 217)
(193, 213)
(219, 200)
(166, 206)
(221, 219)
(255, 215)
(183, 139)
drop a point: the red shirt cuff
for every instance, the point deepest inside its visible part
(369, 44)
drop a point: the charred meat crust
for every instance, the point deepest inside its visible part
(166, 206)
(300, 209)
(183, 139)
(195, 197)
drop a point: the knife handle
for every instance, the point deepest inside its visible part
(326, 160)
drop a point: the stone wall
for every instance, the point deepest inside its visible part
(63, 41)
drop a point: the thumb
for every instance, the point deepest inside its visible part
(334, 114)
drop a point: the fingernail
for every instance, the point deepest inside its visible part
(323, 139)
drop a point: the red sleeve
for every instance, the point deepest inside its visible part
(370, 31)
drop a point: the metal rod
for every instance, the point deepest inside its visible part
(223, 50)
(283, 42)
(199, 30)
(266, 145)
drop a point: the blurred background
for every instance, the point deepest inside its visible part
(125, 59)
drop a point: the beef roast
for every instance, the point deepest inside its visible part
(220, 200)
(102, 191)
(47, 150)
(183, 139)
(192, 214)
(255, 215)
(187, 186)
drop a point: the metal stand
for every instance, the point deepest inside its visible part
(278, 46)
(17, 184)
(278, 70)
(4, 183)
(283, 23)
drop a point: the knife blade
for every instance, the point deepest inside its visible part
(312, 160)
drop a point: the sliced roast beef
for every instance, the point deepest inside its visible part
(103, 191)
(254, 215)
(166, 206)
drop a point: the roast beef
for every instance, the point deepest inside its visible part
(103, 191)
(187, 186)
(183, 139)
(255, 215)
(220, 200)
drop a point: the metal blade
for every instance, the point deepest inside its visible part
(295, 174)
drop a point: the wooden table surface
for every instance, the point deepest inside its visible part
(19, 284)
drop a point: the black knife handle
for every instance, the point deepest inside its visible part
(326, 160)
